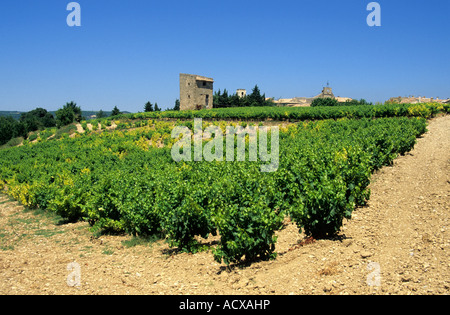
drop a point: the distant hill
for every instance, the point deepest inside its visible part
(15, 115)
(87, 114)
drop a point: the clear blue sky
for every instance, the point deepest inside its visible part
(129, 52)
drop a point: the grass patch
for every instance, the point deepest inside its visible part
(26, 224)
(8, 241)
(87, 248)
(65, 131)
(108, 251)
(47, 233)
(14, 142)
(4, 243)
(46, 215)
(10, 199)
(141, 241)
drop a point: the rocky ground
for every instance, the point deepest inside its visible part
(398, 244)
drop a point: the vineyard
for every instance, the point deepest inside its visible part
(425, 110)
(125, 180)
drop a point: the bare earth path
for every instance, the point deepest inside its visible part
(398, 244)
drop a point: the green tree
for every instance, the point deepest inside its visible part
(7, 125)
(11, 128)
(37, 119)
(76, 111)
(20, 130)
(64, 116)
(157, 109)
(364, 102)
(326, 101)
(148, 107)
(355, 102)
(223, 99)
(177, 105)
(115, 111)
(255, 98)
(101, 114)
(216, 99)
(68, 114)
(49, 120)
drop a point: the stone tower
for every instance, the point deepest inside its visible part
(196, 92)
(327, 92)
(241, 92)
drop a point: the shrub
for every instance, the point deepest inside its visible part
(248, 216)
(326, 101)
(33, 137)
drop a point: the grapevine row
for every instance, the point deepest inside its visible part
(119, 183)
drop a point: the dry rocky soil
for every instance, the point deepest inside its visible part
(397, 244)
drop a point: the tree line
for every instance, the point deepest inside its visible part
(36, 119)
(327, 101)
(39, 119)
(254, 99)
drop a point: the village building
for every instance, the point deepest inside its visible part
(415, 100)
(196, 92)
(327, 92)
